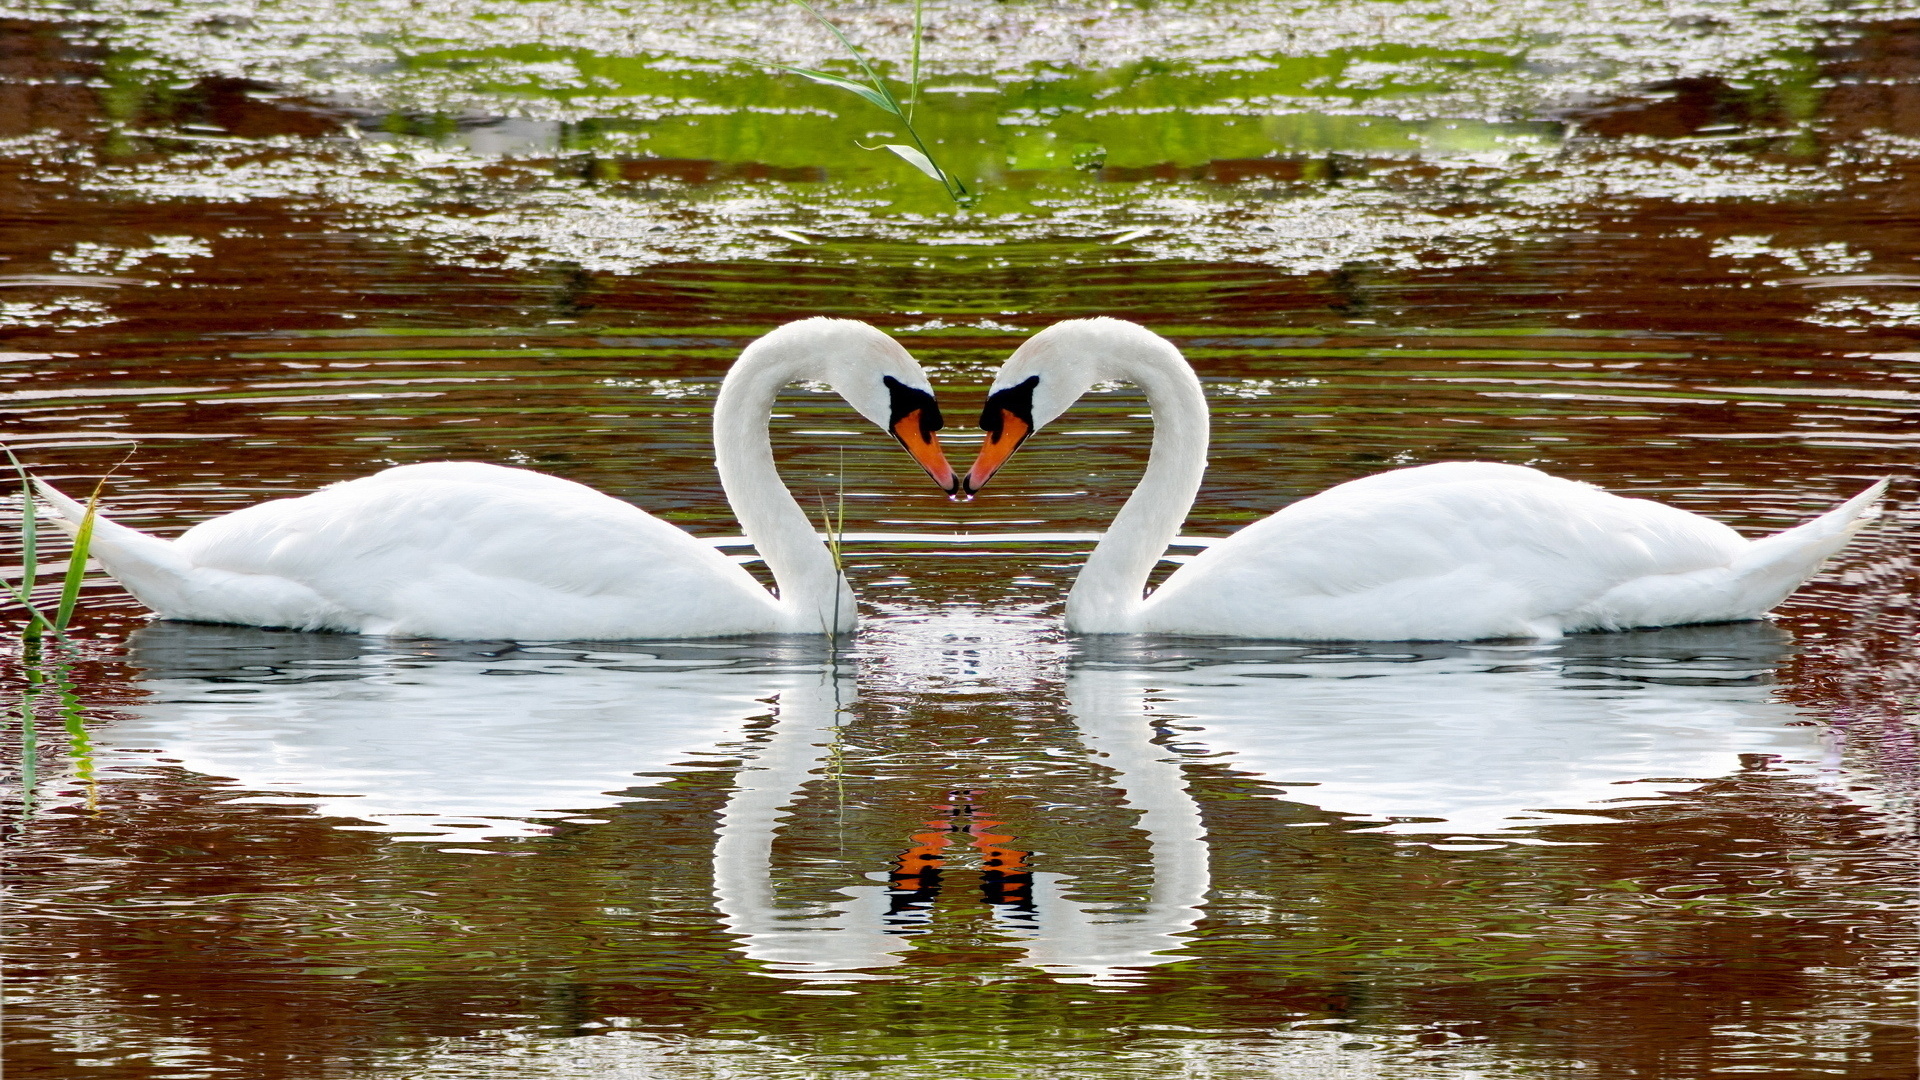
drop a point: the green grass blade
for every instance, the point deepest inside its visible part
(913, 68)
(884, 101)
(833, 536)
(36, 619)
(859, 57)
(29, 523)
(77, 562)
(920, 157)
(833, 522)
(29, 549)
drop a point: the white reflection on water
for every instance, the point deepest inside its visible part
(433, 740)
(814, 942)
(1471, 739)
(832, 942)
(1098, 944)
(446, 739)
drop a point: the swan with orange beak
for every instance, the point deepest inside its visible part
(1453, 551)
(470, 550)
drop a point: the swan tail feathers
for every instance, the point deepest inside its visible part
(1772, 567)
(163, 578)
(1762, 575)
(150, 568)
(112, 544)
(1839, 523)
(69, 513)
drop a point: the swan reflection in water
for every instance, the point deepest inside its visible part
(1482, 740)
(1034, 909)
(435, 740)
(429, 740)
(1462, 738)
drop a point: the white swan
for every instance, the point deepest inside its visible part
(467, 550)
(1457, 551)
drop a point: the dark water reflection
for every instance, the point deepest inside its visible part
(964, 845)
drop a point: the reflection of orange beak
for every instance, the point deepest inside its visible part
(994, 453)
(925, 448)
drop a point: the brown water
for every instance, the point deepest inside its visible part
(1671, 854)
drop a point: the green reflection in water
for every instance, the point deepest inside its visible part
(1031, 137)
(1134, 117)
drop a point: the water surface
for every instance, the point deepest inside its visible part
(256, 250)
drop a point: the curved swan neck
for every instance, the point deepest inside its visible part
(1107, 595)
(813, 594)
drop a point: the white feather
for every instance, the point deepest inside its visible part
(477, 551)
(1455, 551)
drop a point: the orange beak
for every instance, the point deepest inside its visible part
(924, 445)
(994, 453)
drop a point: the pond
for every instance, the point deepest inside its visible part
(248, 249)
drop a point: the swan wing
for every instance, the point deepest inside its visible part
(467, 550)
(1457, 551)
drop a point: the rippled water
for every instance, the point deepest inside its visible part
(261, 247)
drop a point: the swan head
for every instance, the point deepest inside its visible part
(873, 373)
(1049, 372)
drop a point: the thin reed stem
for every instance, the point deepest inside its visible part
(834, 524)
(913, 70)
(37, 622)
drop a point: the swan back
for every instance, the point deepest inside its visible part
(1452, 551)
(470, 550)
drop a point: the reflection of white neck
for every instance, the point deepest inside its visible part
(836, 941)
(1107, 595)
(1078, 940)
(815, 945)
(814, 597)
